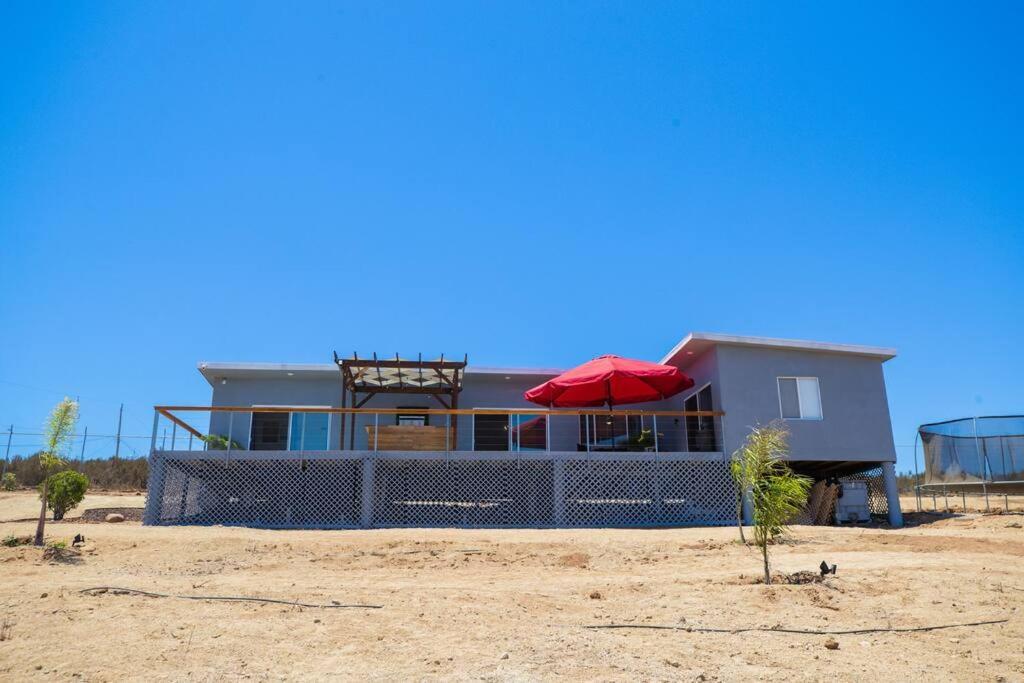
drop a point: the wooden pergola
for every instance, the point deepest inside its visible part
(439, 378)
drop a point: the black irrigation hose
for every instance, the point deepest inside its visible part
(810, 632)
(232, 598)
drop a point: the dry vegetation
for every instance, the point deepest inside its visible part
(510, 604)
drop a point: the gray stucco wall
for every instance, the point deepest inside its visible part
(855, 409)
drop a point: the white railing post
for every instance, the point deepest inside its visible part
(231, 430)
(447, 432)
(376, 430)
(547, 432)
(156, 428)
(654, 429)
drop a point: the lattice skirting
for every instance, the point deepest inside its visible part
(279, 490)
(877, 502)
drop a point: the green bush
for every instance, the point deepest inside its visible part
(64, 491)
(10, 482)
(218, 442)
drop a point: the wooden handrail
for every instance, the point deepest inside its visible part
(536, 412)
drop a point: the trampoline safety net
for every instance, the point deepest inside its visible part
(974, 451)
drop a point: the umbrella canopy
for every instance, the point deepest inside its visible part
(610, 380)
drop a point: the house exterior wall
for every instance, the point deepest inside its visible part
(480, 390)
(855, 422)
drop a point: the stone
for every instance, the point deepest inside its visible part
(114, 517)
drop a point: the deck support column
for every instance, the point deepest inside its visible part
(558, 466)
(366, 505)
(892, 494)
(748, 507)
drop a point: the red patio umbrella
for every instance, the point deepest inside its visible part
(610, 380)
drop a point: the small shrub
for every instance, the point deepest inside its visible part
(10, 482)
(13, 541)
(219, 442)
(64, 491)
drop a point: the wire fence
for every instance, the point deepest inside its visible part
(321, 490)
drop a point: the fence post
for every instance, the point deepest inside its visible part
(156, 428)
(154, 481)
(81, 456)
(7, 455)
(654, 424)
(986, 466)
(117, 446)
(366, 504)
(376, 431)
(917, 474)
(558, 466)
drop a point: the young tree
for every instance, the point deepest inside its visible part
(65, 490)
(57, 434)
(776, 492)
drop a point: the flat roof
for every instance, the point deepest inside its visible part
(212, 369)
(696, 343)
(693, 345)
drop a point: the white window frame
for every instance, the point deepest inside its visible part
(797, 378)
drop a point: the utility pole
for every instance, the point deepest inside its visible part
(81, 458)
(7, 455)
(117, 447)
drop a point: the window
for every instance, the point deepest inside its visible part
(280, 431)
(700, 430)
(490, 432)
(799, 398)
(412, 419)
(608, 432)
(269, 432)
(309, 432)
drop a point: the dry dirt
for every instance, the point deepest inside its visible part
(502, 605)
(954, 502)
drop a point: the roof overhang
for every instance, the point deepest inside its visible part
(214, 371)
(696, 343)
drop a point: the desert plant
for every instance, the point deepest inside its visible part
(9, 482)
(776, 492)
(218, 442)
(64, 491)
(57, 434)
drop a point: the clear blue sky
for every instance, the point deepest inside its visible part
(531, 183)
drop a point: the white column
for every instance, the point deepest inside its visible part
(748, 508)
(366, 504)
(559, 492)
(892, 494)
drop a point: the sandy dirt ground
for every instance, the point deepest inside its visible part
(954, 502)
(22, 505)
(513, 605)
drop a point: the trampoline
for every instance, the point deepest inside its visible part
(976, 454)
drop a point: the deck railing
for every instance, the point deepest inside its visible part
(519, 430)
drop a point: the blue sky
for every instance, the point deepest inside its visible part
(528, 183)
